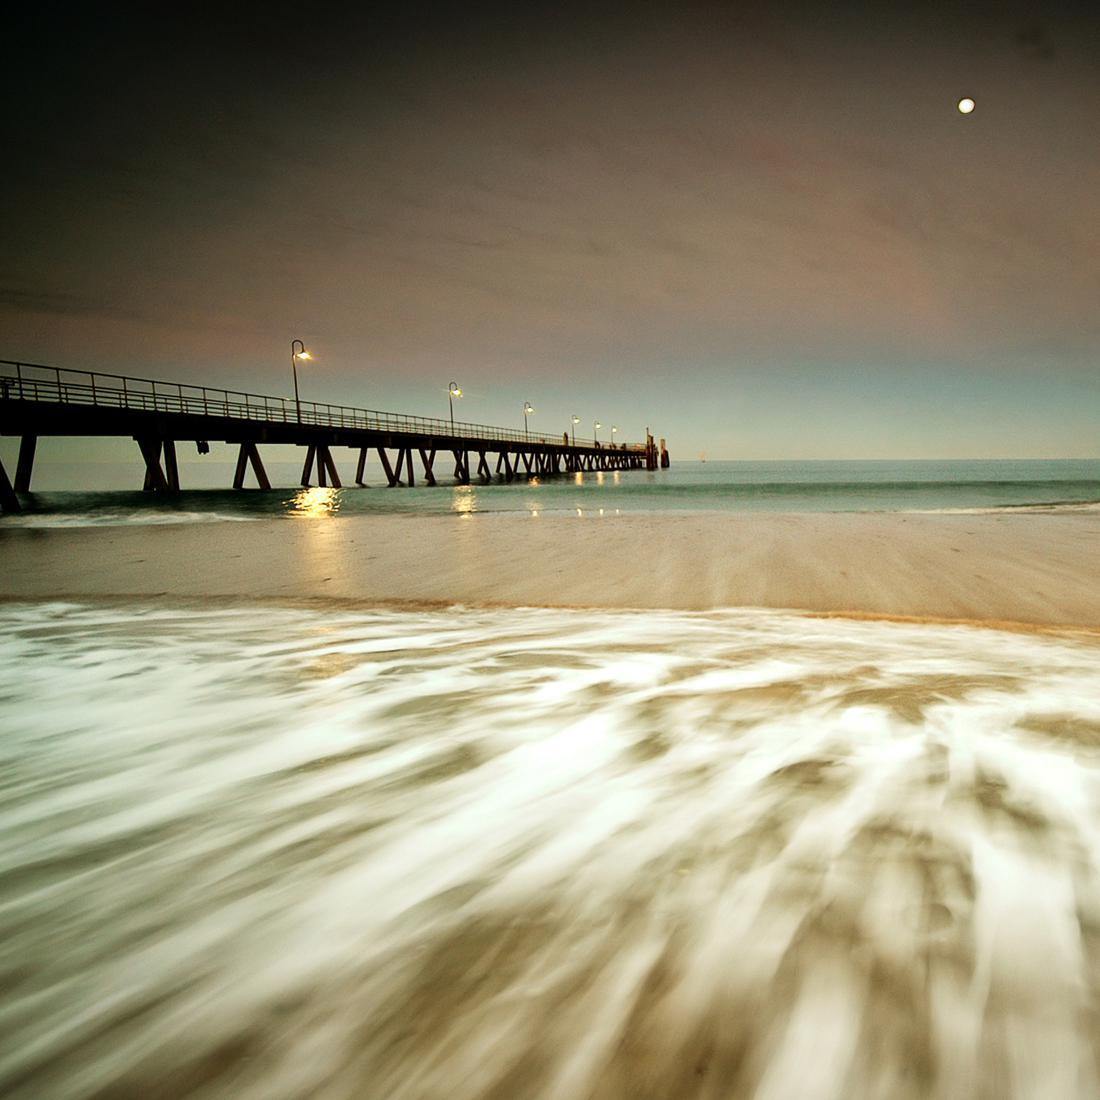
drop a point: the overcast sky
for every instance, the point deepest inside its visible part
(764, 230)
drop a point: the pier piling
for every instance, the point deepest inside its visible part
(25, 464)
(391, 477)
(427, 457)
(307, 466)
(155, 481)
(9, 502)
(325, 463)
(249, 455)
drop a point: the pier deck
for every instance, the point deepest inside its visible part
(37, 400)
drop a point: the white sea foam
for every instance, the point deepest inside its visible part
(282, 853)
(1010, 509)
(120, 518)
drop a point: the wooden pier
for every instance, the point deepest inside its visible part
(37, 400)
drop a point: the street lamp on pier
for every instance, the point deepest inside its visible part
(576, 421)
(528, 408)
(596, 426)
(297, 351)
(613, 431)
(453, 391)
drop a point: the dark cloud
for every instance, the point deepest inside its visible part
(1035, 42)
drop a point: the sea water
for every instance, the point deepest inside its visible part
(69, 495)
(264, 852)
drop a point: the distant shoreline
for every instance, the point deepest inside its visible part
(1019, 571)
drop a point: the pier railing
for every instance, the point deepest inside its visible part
(58, 385)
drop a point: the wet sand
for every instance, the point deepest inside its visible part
(1040, 570)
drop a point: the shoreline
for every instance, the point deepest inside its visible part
(1023, 571)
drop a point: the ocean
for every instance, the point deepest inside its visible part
(685, 487)
(280, 852)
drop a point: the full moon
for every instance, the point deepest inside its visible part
(966, 106)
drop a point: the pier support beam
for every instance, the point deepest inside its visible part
(242, 463)
(171, 467)
(428, 458)
(325, 465)
(250, 454)
(462, 467)
(25, 465)
(9, 502)
(155, 481)
(361, 467)
(258, 467)
(392, 479)
(483, 468)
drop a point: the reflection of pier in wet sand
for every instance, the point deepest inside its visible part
(38, 401)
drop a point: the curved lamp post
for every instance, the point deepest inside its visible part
(576, 421)
(297, 351)
(453, 391)
(528, 408)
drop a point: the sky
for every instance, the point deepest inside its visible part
(763, 230)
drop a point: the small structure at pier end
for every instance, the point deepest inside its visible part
(37, 400)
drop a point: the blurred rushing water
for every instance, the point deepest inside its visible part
(270, 853)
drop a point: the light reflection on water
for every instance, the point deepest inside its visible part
(280, 853)
(464, 500)
(314, 502)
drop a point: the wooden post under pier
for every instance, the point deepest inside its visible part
(428, 458)
(249, 454)
(326, 467)
(155, 481)
(171, 467)
(25, 465)
(325, 464)
(307, 468)
(462, 466)
(242, 463)
(9, 502)
(391, 478)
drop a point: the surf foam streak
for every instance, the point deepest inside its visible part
(147, 517)
(278, 853)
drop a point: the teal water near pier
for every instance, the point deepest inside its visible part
(887, 486)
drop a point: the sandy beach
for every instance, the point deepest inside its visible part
(1029, 569)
